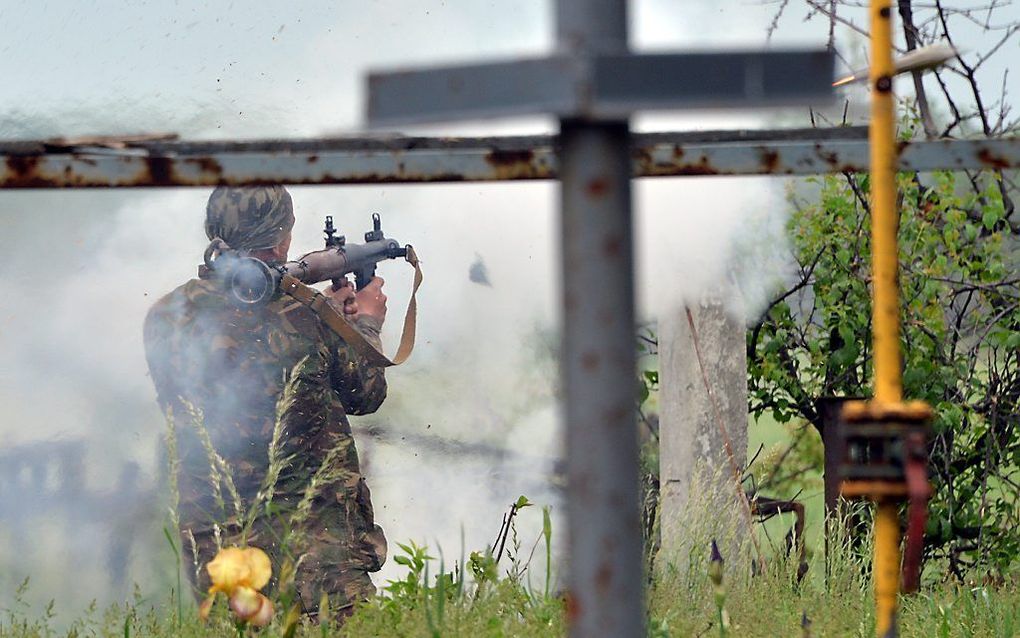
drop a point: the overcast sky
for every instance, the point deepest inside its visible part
(245, 69)
(253, 69)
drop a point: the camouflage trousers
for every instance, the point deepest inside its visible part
(341, 545)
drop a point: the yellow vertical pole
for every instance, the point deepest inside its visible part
(884, 219)
(885, 291)
(886, 569)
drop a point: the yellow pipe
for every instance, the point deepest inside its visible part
(885, 291)
(886, 567)
(884, 218)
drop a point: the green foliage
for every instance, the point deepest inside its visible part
(451, 604)
(786, 468)
(961, 331)
(682, 602)
(649, 383)
(647, 352)
(414, 559)
(483, 567)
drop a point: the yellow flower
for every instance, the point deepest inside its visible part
(240, 573)
(235, 567)
(251, 606)
(264, 615)
(244, 602)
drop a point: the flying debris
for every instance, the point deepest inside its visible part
(478, 273)
(927, 57)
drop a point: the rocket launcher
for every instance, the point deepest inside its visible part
(251, 281)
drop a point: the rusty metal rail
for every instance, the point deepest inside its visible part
(389, 160)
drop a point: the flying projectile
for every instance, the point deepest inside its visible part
(927, 57)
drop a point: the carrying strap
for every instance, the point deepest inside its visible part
(319, 304)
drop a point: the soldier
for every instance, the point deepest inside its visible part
(222, 369)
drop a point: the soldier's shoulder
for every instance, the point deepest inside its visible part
(181, 302)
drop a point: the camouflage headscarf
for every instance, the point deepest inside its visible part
(250, 218)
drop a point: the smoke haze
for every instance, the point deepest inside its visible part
(83, 268)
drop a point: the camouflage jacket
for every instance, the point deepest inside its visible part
(222, 369)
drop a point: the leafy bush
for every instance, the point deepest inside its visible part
(960, 280)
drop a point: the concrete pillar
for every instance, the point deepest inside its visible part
(691, 442)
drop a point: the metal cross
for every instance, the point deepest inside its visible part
(593, 84)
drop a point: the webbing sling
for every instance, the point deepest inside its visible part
(319, 304)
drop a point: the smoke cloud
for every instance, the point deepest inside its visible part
(471, 422)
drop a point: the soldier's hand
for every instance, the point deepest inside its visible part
(343, 296)
(371, 300)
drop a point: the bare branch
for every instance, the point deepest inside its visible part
(1009, 33)
(822, 9)
(911, 36)
(831, 43)
(775, 20)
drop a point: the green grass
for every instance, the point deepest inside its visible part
(774, 605)
(474, 598)
(767, 605)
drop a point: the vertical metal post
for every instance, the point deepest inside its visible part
(885, 291)
(604, 569)
(885, 217)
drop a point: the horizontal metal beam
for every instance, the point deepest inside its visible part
(600, 86)
(815, 158)
(427, 160)
(168, 144)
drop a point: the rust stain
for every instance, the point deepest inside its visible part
(678, 170)
(207, 165)
(675, 166)
(598, 187)
(612, 246)
(517, 165)
(829, 157)
(22, 166)
(994, 161)
(590, 361)
(769, 160)
(23, 172)
(703, 168)
(573, 608)
(27, 171)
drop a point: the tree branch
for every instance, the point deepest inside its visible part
(911, 35)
